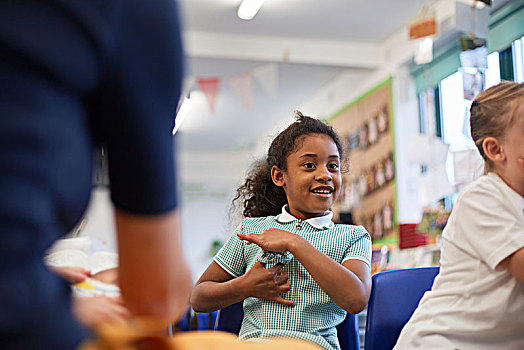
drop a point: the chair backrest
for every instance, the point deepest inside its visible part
(229, 319)
(394, 296)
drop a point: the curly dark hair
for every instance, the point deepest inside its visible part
(258, 194)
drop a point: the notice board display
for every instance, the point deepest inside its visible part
(368, 188)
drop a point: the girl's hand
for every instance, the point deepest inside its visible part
(95, 310)
(71, 273)
(273, 240)
(268, 284)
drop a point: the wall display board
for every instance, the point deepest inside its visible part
(368, 188)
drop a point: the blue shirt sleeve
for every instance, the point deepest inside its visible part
(142, 96)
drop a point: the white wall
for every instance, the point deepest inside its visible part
(98, 219)
(208, 182)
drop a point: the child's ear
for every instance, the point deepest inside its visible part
(493, 149)
(277, 175)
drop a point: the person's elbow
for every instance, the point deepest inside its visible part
(197, 302)
(357, 306)
(355, 302)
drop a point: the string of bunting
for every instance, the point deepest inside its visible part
(241, 84)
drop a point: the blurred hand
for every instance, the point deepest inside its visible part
(71, 273)
(273, 240)
(95, 310)
(268, 284)
(107, 276)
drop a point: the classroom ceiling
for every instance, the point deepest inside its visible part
(310, 42)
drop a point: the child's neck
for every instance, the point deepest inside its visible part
(302, 216)
(502, 173)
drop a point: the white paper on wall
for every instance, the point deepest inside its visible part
(427, 150)
(433, 185)
(468, 165)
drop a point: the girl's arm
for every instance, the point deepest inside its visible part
(515, 264)
(347, 284)
(216, 288)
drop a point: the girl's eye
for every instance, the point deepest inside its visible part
(309, 165)
(333, 166)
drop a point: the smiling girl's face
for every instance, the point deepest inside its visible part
(312, 179)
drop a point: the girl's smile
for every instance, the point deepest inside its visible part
(312, 178)
(323, 191)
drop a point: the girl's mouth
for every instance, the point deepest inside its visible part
(324, 190)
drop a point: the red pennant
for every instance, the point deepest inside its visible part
(209, 86)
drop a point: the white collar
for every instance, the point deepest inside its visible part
(320, 222)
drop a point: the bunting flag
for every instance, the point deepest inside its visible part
(242, 84)
(243, 87)
(209, 87)
(267, 77)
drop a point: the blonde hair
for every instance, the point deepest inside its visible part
(492, 112)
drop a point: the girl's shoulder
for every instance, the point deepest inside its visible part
(490, 191)
(487, 186)
(259, 218)
(258, 221)
(354, 230)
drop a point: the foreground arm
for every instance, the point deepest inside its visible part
(153, 275)
(96, 310)
(92, 311)
(216, 289)
(347, 284)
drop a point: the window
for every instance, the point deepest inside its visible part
(455, 110)
(518, 59)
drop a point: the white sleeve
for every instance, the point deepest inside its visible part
(487, 224)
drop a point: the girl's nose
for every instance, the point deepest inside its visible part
(323, 174)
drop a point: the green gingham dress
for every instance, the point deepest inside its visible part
(315, 315)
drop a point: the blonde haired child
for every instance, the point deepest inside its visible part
(297, 272)
(477, 300)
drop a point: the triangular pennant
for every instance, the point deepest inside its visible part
(209, 86)
(267, 77)
(243, 87)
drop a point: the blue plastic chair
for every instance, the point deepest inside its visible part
(206, 321)
(395, 295)
(229, 319)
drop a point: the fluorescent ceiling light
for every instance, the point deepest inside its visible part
(249, 8)
(182, 113)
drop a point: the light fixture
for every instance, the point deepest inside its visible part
(183, 111)
(249, 8)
